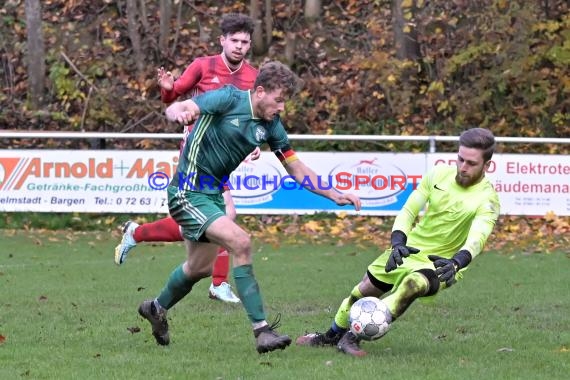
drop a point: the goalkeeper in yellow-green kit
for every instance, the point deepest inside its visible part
(461, 209)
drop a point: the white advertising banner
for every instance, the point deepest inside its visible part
(527, 184)
(383, 181)
(110, 181)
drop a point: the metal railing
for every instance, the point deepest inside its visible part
(431, 140)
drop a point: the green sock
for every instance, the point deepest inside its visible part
(177, 287)
(341, 316)
(249, 293)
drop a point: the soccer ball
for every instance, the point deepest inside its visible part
(369, 318)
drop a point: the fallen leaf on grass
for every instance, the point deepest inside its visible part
(312, 226)
(2, 339)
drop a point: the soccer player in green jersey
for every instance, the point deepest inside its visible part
(462, 209)
(229, 124)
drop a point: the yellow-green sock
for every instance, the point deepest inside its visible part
(341, 317)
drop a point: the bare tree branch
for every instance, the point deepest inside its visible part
(197, 10)
(85, 108)
(141, 120)
(77, 71)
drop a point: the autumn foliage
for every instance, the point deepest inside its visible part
(493, 63)
(511, 234)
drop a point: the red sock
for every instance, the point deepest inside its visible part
(221, 267)
(165, 229)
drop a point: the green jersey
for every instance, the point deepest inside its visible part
(455, 217)
(223, 136)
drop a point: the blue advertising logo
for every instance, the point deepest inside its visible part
(158, 180)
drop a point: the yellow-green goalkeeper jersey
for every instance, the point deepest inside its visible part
(455, 217)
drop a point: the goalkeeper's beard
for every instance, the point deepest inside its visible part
(466, 181)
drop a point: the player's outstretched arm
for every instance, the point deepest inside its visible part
(309, 179)
(184, 112)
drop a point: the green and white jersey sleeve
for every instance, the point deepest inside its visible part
(223, 136)
(455, 217)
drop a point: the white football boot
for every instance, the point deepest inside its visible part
(224, 293)
(127, 242)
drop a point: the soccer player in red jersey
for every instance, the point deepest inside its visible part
(203, 74)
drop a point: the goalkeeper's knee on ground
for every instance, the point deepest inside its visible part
(432, 279)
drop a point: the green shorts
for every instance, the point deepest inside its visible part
(194, 211)
(412, 263)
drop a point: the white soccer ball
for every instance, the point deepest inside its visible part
(369, 318)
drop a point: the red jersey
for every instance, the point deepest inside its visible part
(206, 74)
(209, 73)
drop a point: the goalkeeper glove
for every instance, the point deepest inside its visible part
(447, 268)
(399, 250)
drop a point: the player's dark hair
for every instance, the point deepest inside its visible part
(479, 138)
(274, 76)
(235, 23)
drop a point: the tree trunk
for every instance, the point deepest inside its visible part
(134, 35)
(165, 12)
(312, 9)
(290, 47)
(405, 33)
(268, 23)
(177, 29)
(35, 54)
(258, 43)
(290, 37)
(144, 18)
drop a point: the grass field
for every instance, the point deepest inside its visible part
(67, 312)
